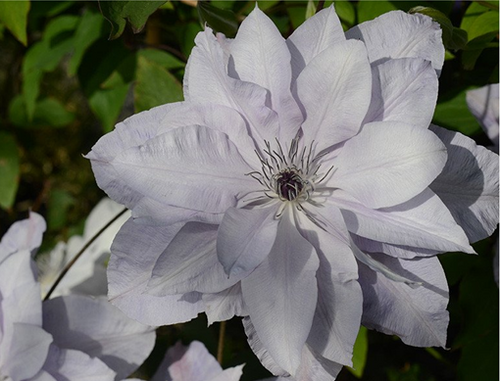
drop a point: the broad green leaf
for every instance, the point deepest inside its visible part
(59, 203)
(155, 86)
(220, 20)
(49, 112)
(123, 74)
(186, 36)
(474, 49)
(224, 4)
(453, 114)
(9, 169)
(297, 12)
(164, 59)
(14, 15)
(483, 24)
(48, 8)
(473, 11)
(88, 31)
(368, 10)
(453, 38)
(107, 104)
(359, 353)
(266, 4)
(135, 12)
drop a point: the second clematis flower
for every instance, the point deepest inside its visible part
(299, 186)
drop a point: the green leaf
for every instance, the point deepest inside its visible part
(59, 203)
(88, 31)
(368, 10)
(164, 59)
(297, 12)
(9, 169)
(44, 57)
(453, 113)
(135, 12)
(155, 86)
(483, 24)
(14, 15)
(310, 9)
(346, 12)
(49, 112)
(220, 20)
(359, 353)
(107, 104)
(186, 36)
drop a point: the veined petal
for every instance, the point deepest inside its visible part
(312, 37)
(260, 56)
(207, 69)
(388, 163)
(23, 235)
(245, 238)
(100, 330)
(398, 251)
(225, 304)
(193, 167)
(422, 222)
(129, 274)
(468, 184)
(417, 315)
(312, 365)
(483, 104)
(189, 263)
(27, 352)
(404, 90)
(281, 296)
(338, 312)
(398, 35)
(68, 364)
(329, 85)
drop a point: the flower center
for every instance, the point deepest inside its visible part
(289, 184)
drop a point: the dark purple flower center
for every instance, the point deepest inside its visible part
(289, 184)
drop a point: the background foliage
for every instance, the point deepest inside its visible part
(69, 70)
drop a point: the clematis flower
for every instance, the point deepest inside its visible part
(88, 275)
(193, 363)
(299, 186)
(68, 338)
(483, 104)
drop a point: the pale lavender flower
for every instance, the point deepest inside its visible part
(300, 187)
(68, 338)
(193, 363)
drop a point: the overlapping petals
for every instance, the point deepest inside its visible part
(300, 187)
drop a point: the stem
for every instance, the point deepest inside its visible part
(220, 348)
(78, 255)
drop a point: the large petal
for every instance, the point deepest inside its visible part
(23, 235)
(312, 365)
(281, 295)
(138, 129)
(338, 312)
(260, 55)
(245, 238)
(468, 184)
(225, 304)
(398, 251)
(189, 263)
(422, 222)
(399, 35)
(483, 103)
(404, 90)
(207, 81)
(98, 329)
(388, 163)
(417, 315)
(312, 37)
(69, 364)
(27, 352)
(328, 87)
(135, 250)
(192, 167)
